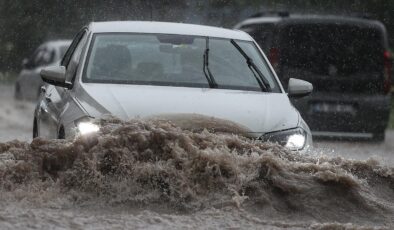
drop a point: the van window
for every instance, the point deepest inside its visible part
(262, 33)
(328, 49)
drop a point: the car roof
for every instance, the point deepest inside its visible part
(166, 28)
(311, 19)
(57, 43)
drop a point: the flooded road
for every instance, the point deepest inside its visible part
(16, 117)
(155, 175)
(16, 122)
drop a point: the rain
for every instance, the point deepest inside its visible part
(196, 114)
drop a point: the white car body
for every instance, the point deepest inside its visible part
(60, 108)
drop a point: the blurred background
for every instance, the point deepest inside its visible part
(26, 24)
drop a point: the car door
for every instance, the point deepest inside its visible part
(56, 99)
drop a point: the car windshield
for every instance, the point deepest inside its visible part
(174, 60)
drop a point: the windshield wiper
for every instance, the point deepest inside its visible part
(264, 84)
(211, 81)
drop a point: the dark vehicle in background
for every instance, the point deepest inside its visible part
(28, 83)
(345, 58)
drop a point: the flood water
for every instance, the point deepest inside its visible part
(153, 174)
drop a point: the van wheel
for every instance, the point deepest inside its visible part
(378, 137)
(35, 128)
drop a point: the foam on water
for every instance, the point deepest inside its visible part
(185, 177)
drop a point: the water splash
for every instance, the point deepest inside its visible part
(156, 165)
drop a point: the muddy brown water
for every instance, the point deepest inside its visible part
(153, 174)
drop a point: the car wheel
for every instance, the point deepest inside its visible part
(62, 134)
(35, 128)
(378, 137)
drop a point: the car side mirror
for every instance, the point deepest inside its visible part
(299, 88)
(55, 75)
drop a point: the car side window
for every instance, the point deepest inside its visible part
(71, 59)
(34, 60)
(67, 57)
(45, 57)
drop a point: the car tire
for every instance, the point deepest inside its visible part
(35, 128)
(61, 134)
(378, 137)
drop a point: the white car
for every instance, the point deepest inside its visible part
(28, 83)
(173, 71)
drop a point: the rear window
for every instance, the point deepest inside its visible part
(329, 49)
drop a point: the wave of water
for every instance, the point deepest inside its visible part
(184, 178)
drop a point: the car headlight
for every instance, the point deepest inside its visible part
(293, 139)
(87, 127)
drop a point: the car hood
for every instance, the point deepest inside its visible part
(252, 112)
